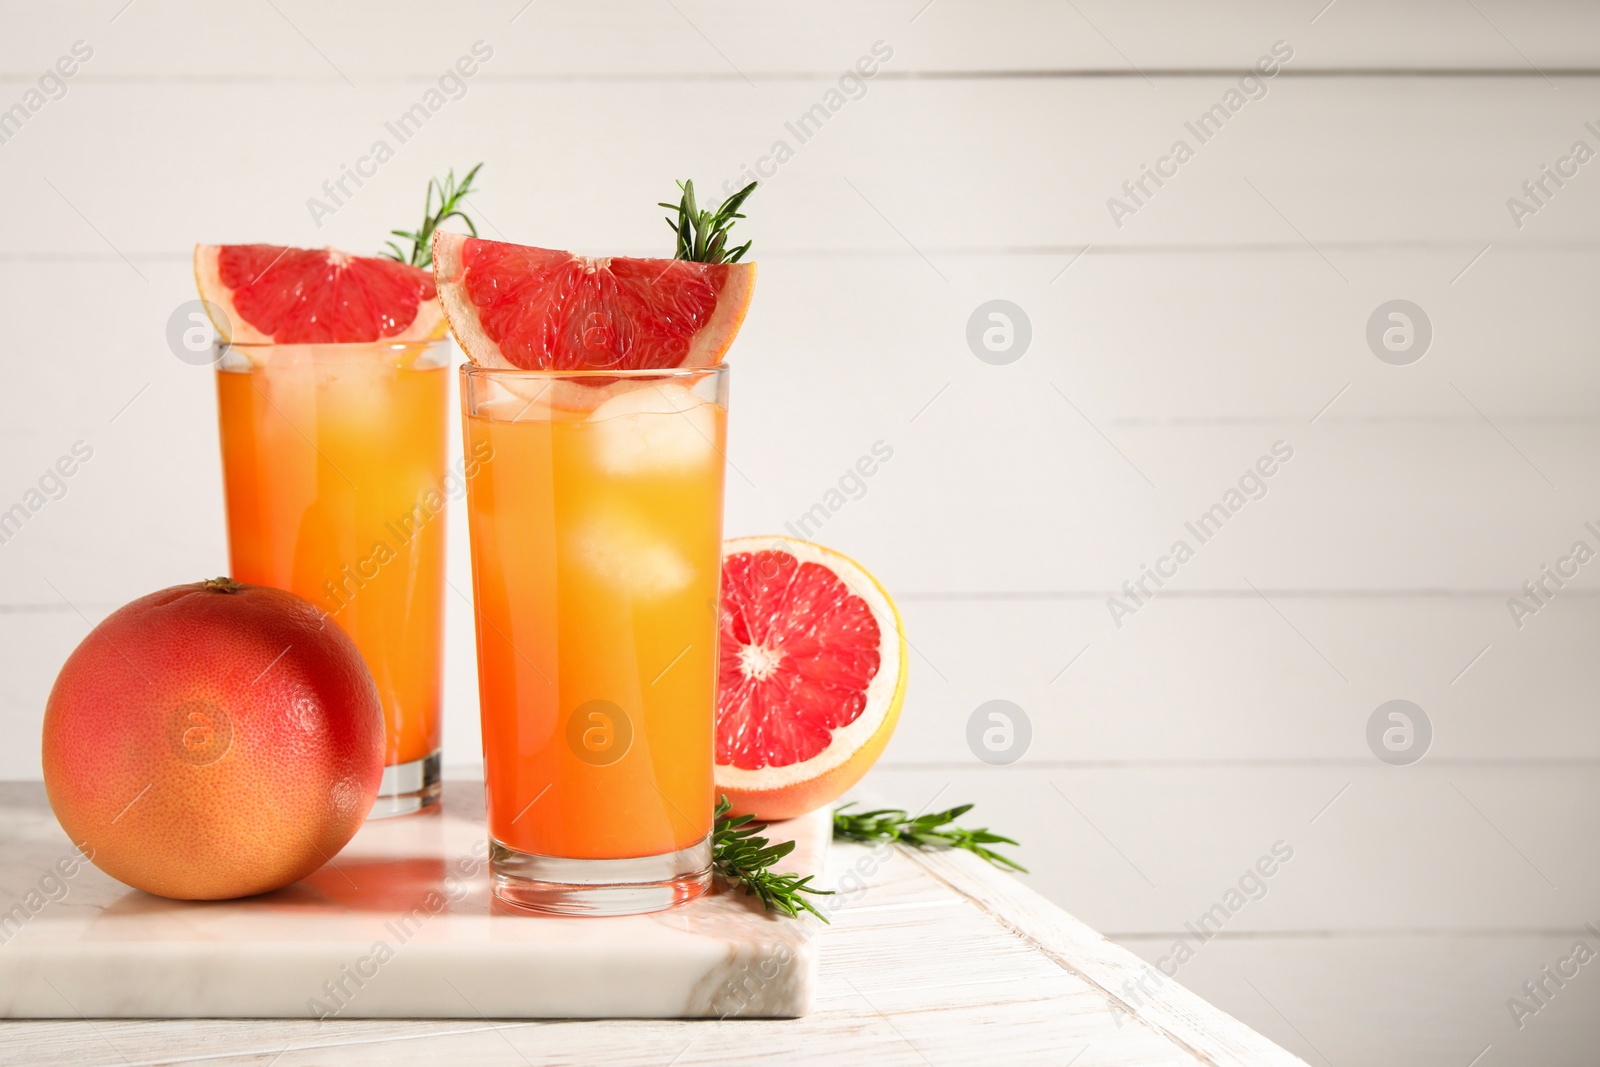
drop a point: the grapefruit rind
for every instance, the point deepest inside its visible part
(217, 299)
(449, 272)
(884, 693)
(733, 303)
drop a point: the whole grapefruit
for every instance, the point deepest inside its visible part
(213, 740)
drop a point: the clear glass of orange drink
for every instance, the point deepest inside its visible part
(596, 554)
(334, 465)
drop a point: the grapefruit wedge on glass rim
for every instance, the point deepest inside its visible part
(517, 306)
(261, 294)
(811, 675)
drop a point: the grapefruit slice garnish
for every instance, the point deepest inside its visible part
(270, 294)
(516, 306)
(812, 673)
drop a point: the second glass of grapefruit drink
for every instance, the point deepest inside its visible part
(596, 551)
(333, 384)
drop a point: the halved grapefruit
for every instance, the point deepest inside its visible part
(271, 294)
(812, 675)
(516, 306)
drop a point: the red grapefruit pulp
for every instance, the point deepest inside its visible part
(286, 296)
(539, 309)
(812, 674)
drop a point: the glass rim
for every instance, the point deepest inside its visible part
(473, 370)
(385, 342)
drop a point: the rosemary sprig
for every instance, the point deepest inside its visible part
(450, 196)
(922, 831)
(745, 859)
(703, 235)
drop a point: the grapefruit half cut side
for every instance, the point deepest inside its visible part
(811, 675)
(516, 306)
(272, 294)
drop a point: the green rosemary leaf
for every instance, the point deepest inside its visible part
(451, 195)
(922, 831)
(702, 236)
(745, 859)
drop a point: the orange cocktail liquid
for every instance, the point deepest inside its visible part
(334, 464)
(596, 551)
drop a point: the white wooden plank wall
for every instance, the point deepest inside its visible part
(1227, 313)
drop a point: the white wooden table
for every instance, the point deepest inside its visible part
(1169, 350)
(930, 958)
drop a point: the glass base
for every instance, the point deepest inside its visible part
(408, 788)
(631, 886)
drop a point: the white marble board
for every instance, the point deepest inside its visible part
(400, 925)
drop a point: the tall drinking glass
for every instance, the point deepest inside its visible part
(596, 556)
(334, 465)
